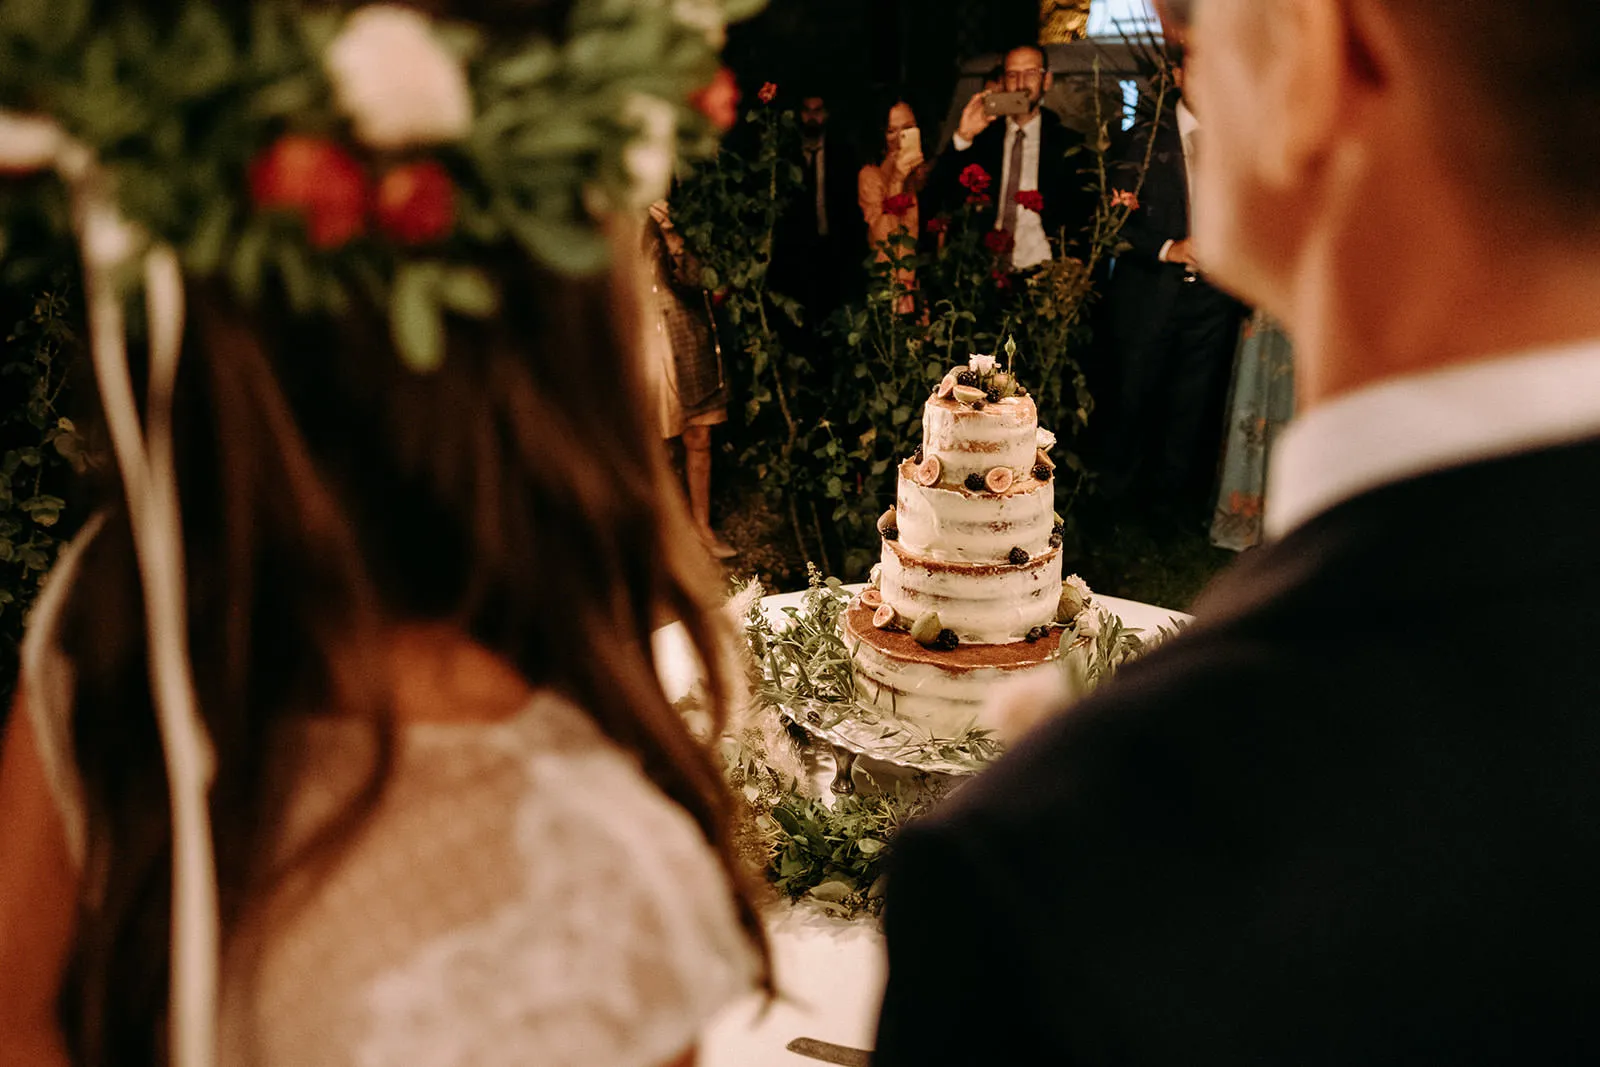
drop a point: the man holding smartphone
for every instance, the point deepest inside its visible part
(1030, 151)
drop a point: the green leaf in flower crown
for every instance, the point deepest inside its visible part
(570, 248)
(295, 273)
(415, 317)
(739, 10)
(244, 269)
(468, 291)
(203, 255)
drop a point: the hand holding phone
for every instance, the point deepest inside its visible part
(909, 158)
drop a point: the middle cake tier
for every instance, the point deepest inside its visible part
(952, 522)
(984, 603)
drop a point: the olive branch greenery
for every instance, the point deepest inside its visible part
(832, 852)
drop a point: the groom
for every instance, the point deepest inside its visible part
(1352, 816)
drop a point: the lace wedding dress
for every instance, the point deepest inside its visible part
(523, 895)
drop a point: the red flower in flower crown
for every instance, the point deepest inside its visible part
(719, 101)
(416, 203)
(768, 92)
(1031, 199)
(999, 242)
(1125, 198)
(317, 180)
(976, 180)
(899, 204)
(938, 224)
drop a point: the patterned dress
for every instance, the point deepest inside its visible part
(1261, 405)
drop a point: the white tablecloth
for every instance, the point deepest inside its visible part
(830, 971)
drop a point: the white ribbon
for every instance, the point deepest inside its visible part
(149, 476)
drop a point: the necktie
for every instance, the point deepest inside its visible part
(1008, 218)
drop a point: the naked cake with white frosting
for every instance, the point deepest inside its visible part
(969, 590)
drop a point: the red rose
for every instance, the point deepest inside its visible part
(719, 101)
(416, 203)
(976, 180)
(768, 92)
(899, 204)
(317, 180)
(720, 297)
(1002, 280)
(999, 242)
(1031, 199)
(938, 224)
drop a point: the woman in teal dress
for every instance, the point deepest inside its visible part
(1260, 405)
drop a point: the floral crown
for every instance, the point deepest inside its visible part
(376, 152)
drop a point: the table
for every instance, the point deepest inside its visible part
(830, 971)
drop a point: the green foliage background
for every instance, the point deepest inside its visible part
(824, 444)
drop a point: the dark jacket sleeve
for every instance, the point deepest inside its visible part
(1158, 219)
(957, 993)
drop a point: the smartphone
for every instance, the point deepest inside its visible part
(1017, 103)
(911, 140)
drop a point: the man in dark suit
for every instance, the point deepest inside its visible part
(1169, 334)
(821, 241)
(1352, 815)
(1027, 153)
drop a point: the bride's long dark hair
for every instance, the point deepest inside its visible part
(519, 494)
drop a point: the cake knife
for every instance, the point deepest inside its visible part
(843, 1055)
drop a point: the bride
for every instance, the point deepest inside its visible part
(455, 819)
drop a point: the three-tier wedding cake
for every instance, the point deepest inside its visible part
(969, 588)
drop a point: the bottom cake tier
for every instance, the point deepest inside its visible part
(940, 693)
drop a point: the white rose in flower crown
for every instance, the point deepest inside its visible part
(650, 155)
(983, 364)
(705, 16)
(399, 86)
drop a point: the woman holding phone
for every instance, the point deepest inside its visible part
(888, 195)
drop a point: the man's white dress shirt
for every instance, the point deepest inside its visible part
(1424, 423)
(1033, 246)
(1188, 126)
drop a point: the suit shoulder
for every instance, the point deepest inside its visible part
(1163, 720)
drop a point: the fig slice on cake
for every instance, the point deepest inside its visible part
(929, 472)
(999, 479)
(884, 618)
(871, 598)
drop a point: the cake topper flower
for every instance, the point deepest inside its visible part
(395, 81)
(984, 365)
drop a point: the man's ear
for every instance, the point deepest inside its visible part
(1321, 57)
(1049, 82)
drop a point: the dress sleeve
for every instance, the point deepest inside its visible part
(50, 685)
(623, 944)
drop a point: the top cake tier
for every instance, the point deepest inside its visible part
(975, 441)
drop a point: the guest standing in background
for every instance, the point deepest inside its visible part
(690, 380)
(820, 244)
(1170, 334)
(888, 193)
(1348, 817)
(1031, 152)
(1260, 405)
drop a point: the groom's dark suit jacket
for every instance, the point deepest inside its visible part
(1350, 819)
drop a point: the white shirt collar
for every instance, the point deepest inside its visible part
(1423, 423)
(1013, 126)
(1187, 123)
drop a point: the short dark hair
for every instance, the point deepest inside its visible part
(1531, 108)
